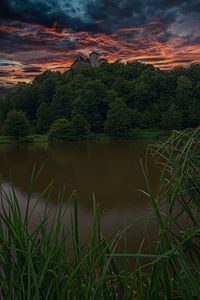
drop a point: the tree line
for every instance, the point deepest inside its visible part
(112, 98)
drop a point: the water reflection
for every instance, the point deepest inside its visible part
(111, 170)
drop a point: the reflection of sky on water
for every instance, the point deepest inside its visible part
(110, 170)
(111, 221)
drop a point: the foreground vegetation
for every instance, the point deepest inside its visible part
(50, 262)
(112, 99)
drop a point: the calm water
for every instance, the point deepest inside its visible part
(109, 170)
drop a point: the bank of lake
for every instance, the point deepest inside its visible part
(136, 133)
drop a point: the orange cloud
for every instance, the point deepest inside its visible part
(56, 48)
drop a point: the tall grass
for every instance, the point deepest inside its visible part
(177, 208)
(50, 261)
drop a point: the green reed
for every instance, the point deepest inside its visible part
(50, 261)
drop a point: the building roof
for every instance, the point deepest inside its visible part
(94, 52)
(80, 58)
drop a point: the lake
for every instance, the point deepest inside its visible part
(110, 170)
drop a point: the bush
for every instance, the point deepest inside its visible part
(44, 118)
(26, 139)
(16, 124)
(118, 121)
(173, 118)
(80, 125)
(61, 130)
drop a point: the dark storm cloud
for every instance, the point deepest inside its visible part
(152, 59)
(15, 45)
(4, 73)
(47, 59)
(84, 15)
(42, 34)
(182, 61)
(190, 41)
(164, 37)
(50, 13)
(32, 70)
(120, 14)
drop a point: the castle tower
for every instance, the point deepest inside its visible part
(94, 59)
(80, 62)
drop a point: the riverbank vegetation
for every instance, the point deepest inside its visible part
(51, 262)
(151, 134)
(113, 100)
(35, 138)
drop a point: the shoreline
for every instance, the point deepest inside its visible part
(101, 137)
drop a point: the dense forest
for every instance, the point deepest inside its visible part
(111, 99)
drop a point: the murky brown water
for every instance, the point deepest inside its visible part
(109, 170)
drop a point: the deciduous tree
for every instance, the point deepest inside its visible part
(16, 124)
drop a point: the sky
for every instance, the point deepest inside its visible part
(36, 35)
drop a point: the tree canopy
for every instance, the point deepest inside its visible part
(149, 97)
(16, 124)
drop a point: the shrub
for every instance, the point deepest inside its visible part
(61, 130)
(16, 124)
(118, 121)
(80, 125)
(44, 118)
(26, 139)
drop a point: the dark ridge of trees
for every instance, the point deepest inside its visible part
(112, 98)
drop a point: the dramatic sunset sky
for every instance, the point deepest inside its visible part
(36, 35)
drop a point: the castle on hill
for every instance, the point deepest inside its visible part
(91, 61)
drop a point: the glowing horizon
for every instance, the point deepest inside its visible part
(163, 34)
